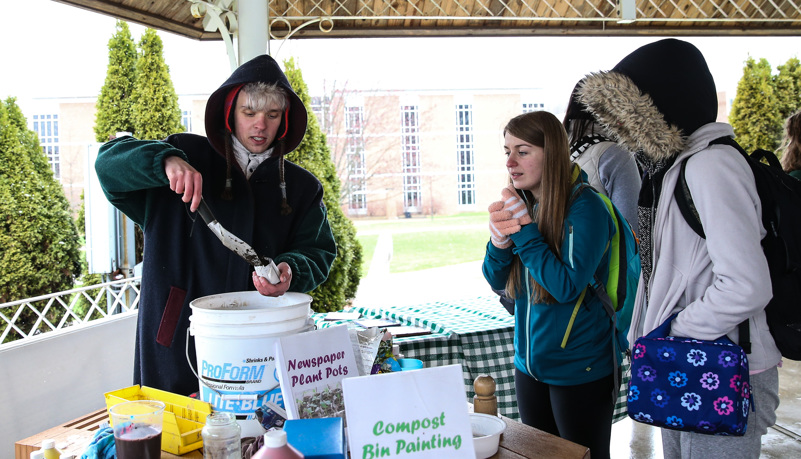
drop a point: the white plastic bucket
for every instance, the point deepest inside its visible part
(235, 335)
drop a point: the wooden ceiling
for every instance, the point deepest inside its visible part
(406, 18)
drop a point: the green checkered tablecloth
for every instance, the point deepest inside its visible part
(477, 334)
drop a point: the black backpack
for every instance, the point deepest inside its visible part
(780, 195)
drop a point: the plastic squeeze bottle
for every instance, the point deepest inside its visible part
(49, 449)
(276, 447)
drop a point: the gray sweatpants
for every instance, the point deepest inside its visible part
(687, 445)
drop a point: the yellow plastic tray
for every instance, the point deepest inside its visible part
(184, 417)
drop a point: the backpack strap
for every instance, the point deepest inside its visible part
(685, 202)
(597, 288)
(600, 291)
(687, 208)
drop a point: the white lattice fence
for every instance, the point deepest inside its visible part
(32, 316)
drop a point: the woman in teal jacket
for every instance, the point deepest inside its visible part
(549, 239)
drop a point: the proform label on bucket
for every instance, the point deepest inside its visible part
(235, 335)
(229, 387)
(229, 373)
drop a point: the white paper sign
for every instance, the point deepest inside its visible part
(409, 414)
(310, 368)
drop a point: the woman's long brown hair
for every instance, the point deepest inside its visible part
(544, 130)
(791, 157)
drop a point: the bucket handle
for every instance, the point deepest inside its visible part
(222, 396)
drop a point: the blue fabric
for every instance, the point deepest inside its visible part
(689, 385)
(541, 327)
(102, 445)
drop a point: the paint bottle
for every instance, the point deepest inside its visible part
(276, 447)
(49, 450)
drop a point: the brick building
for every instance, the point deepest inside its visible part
(398, 153)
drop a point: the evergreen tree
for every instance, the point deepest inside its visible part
(156, 113)
(314, 155)
(114, 105)
(39, 243)
(754, 114)
(788, 87)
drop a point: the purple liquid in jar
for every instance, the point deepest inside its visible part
(139, 443)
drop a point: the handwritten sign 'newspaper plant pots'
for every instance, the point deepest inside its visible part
(409, 414)
(311, 367)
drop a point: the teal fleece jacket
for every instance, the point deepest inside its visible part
(548, 347)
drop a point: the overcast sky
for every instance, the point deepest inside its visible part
(49, 49)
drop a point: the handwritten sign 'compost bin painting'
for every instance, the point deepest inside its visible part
(409, 414)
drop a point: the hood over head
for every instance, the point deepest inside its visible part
(265, 69)
(654, 98)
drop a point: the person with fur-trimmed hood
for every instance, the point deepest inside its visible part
(239, 170)
(610, 169)
(660, 101)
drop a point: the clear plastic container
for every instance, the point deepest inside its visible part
(276, 447)
(222, 436)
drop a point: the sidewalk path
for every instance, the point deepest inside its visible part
(380, 287)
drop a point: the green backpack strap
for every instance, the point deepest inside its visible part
(573, 317)
(618, 252)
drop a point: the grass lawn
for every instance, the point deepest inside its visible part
(432, 249)
(425, 242)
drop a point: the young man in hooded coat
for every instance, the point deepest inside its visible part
(660, 101)
(252, 121)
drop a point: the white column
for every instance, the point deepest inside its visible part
(253, 29)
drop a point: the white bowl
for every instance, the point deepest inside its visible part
(487, 432)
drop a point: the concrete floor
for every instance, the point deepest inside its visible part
(629, 439)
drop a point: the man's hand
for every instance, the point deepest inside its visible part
(267, 289)
(184, 179)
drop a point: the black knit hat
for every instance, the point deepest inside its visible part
(674, 73)
(654, 98)
(575, 109)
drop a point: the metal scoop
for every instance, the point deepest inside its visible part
(265, 267)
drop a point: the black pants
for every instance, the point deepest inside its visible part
(581, 413)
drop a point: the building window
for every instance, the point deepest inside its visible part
(47, 128)
(410, 146)
(320, 107)
(531, 107)
(465, 163)
(357, 171)
(186, 120)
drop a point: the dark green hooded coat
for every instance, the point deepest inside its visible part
(183, 259)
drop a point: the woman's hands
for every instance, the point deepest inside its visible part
(507, 217)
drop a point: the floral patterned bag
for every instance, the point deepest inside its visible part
(688, 384)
